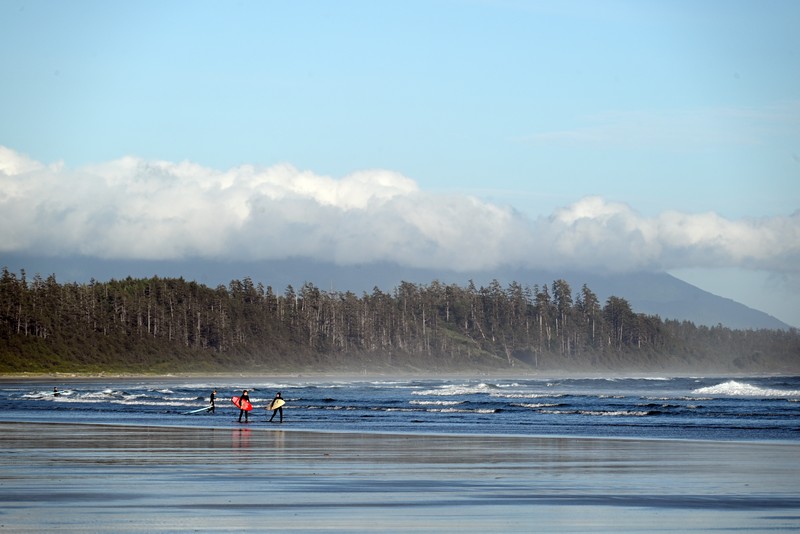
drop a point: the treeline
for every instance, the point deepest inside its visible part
(174, 325)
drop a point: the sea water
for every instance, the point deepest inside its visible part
(702, 408)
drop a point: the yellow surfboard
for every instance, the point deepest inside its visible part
(276, 403)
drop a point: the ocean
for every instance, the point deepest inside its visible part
(696, 408)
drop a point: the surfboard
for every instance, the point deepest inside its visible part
(276, 403)
(203, 409)
(246, 406)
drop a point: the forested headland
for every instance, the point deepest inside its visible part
(170, 325)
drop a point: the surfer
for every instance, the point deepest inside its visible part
(211, 399)
(278, 406)
(55, 392)
(242, 399)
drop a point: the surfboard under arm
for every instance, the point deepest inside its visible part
(275, 404)
(244, 405)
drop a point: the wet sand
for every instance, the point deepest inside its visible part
(87, 478)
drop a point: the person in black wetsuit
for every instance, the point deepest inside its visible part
(244, 397)
(278, 409)
(212, 398)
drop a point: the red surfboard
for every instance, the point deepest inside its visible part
(245, 405)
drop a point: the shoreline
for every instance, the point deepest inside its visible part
(98, 478)
(355, 376)
(399, 434)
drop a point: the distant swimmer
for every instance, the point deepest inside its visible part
(212, 398)
(276, 406)
(55, 392)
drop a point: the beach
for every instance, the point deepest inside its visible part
(107, 478)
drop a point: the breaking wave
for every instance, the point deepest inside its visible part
(455, 389)
(733, 388)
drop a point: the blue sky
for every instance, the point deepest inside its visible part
(631, 135)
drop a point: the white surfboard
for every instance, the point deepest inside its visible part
(204, 408)
(276, 403)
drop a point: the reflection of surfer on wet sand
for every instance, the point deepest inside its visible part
(240, 439)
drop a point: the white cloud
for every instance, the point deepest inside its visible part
(135, 209)
(12, 162)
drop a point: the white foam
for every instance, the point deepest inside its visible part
(535, 406)
(733, 388)
(527, 395)
(435, 403)
(598, 413)
(104, 395)
(48, 395)
(619, 413)
(130, 402)
(452, 390)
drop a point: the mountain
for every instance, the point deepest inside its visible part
(651, 293)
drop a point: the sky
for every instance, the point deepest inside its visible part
(610, 136)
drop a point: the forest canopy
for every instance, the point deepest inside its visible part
(164, 325)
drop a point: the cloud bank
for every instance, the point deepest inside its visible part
(156, 210)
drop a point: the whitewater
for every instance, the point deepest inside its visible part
(698, 408)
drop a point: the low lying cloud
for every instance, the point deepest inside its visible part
(156, 210)
(612, 235)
